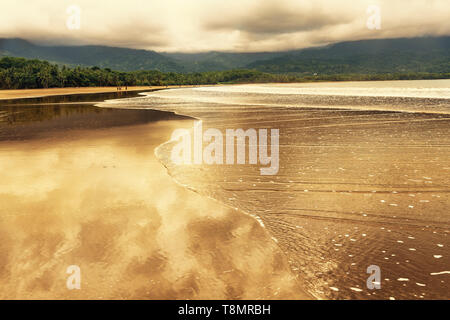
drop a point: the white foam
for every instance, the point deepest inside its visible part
(334, 289)
(421, 284)
(439, 273)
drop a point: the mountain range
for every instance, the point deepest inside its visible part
(424, 54)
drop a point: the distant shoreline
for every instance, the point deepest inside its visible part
(20, 73)
(13, 94)
(39, 93)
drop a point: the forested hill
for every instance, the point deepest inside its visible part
(121, 59)
(365, 57)
(406, 55)
(216, 61)
(20, 73)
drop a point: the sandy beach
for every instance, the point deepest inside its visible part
(81, 186)
(363, 178)
(36, 93)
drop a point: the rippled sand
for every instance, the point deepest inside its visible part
(82, 186)
(364, 179)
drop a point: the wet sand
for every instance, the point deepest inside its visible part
(81, 186)
(35, 93)
(364, 179)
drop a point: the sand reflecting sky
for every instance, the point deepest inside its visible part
(99, 199)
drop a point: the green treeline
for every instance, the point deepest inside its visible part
(20, 73)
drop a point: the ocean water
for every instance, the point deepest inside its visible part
(364, 178)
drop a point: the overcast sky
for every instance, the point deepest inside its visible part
(225, 25)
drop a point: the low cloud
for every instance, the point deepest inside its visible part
(204, 25)
(272, 18)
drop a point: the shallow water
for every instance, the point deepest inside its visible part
(364, 178)
(81, 186)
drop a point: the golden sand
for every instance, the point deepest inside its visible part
(37, 93)
(99, 199)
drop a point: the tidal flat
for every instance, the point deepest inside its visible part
(81, 185)
(363, 180)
